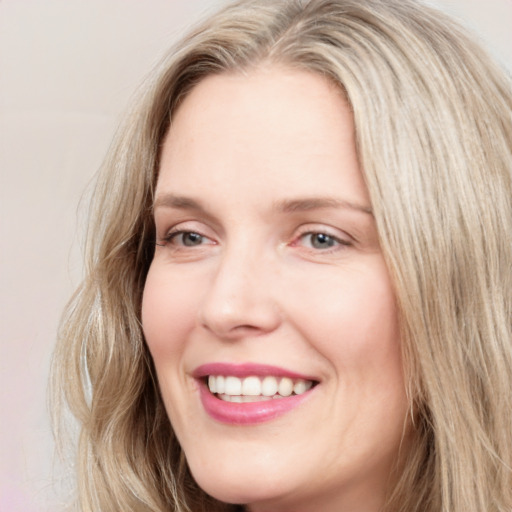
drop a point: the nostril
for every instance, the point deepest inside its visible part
(233, 326)
(236, 305)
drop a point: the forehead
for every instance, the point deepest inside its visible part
(288, 126)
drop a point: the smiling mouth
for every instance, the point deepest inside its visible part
(256, 389)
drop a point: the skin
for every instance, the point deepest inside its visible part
(258, 287)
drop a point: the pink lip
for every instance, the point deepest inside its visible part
(249, 413)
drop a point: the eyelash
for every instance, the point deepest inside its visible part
(168, 239)
(337, 243)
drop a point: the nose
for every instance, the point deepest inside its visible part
(240, 299)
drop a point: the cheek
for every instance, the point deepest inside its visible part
(169, 311)
(353, 324)
(352, 321)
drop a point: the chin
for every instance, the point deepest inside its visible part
(236, 485)
(240, 491)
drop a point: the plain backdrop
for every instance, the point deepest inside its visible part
(67, 70)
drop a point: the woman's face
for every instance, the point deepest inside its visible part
(268, 281)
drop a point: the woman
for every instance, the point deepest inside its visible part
(298, 288)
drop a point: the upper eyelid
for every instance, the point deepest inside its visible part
(205, 229)
(166, 225)
(337, 233)
(174, 232)
(340, 242)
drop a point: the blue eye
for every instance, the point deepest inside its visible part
(321, 241)
(184, 239)
(188, 238)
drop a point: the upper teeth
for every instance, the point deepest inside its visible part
(256, 386)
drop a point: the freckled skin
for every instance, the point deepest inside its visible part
(263, 284)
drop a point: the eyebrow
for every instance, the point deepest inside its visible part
(283, 206)
(317, 203)
(178, 202)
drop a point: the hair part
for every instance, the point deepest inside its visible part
(433, 123)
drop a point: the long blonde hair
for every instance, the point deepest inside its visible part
(433, 122)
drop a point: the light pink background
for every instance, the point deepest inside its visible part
(67, 69)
